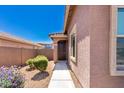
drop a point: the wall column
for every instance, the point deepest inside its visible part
(55, 51)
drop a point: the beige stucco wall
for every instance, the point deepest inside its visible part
(10, 43)
(46, 52)
(15, 56)
(16, 52)
(28, 53)
(99, 49)
(18, 56)
(82, 67)
(93, 33)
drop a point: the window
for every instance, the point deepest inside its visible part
(73, 44)
(117, 41)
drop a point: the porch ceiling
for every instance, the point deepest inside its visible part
(58, 36)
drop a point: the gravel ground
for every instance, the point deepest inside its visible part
(36, 79)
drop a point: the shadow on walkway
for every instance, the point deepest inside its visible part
(61, 65)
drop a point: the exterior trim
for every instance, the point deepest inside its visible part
(73, 30)
(113, 38)
(66, 16)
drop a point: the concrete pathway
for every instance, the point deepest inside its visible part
(61, 77)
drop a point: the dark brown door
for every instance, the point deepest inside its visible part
(62, 50)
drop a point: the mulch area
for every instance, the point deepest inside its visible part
(37, 79)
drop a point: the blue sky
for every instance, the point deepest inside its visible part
(32, 23)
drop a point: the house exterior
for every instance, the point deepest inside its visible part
(93, 39)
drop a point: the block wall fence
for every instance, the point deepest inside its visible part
(18, 56)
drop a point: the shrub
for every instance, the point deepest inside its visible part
(30, 63)
(11, 77)
(40, 62)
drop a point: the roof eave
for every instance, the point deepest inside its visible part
(66, 17)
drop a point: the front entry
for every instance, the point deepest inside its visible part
(62, 50)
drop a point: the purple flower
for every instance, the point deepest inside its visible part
(1, 75)
(11, 75)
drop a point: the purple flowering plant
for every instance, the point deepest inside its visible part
(11, 77)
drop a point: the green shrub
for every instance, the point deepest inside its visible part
(30, 63)
(40, 62)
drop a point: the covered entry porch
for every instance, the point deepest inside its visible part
(60, 46)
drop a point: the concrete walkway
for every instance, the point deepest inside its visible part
(61, 77)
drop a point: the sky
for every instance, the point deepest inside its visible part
(32, 23)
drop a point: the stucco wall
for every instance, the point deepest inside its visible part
(99, 49)
(17, 52)
(28, 53)
(47, 52)
(18, 56)
(93, 33)
(10, 43)
(81, 69)
(15, 56)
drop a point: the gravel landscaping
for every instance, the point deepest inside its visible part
(37, 79)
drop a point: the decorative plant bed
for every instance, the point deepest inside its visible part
(11, 77)
(36, 78)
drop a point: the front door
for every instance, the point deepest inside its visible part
(62, 50)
